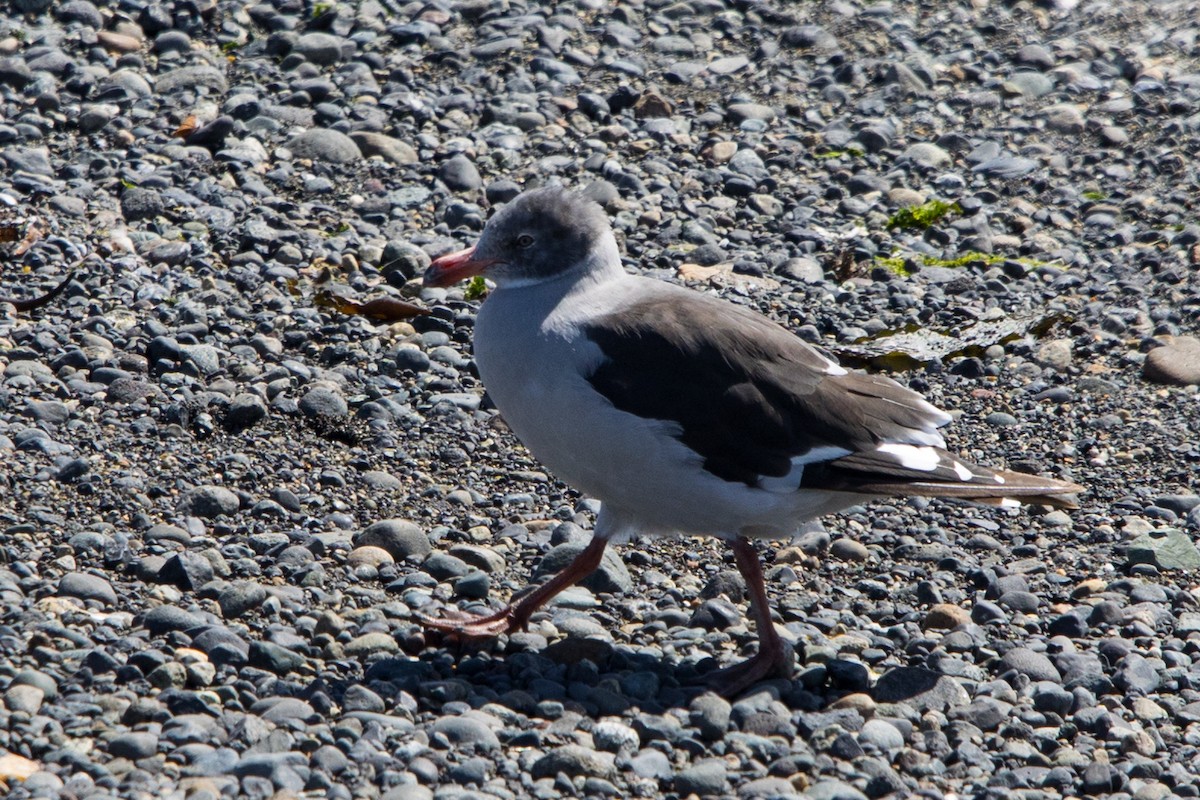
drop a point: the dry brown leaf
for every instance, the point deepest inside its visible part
(385, 309)
(389, 309)
(31, 235)
(187, 127)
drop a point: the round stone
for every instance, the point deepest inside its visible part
(323, 401)
(945, 616)
(369, 555)
(208, 502)
(133, 746)
(399, 537)
(87, 587)
(322, 144)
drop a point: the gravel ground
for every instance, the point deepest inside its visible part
(223, 501)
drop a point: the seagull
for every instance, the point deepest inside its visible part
(684, 413)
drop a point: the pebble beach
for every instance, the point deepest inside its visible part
(242, 449)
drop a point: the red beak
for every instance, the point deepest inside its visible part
(454, 267)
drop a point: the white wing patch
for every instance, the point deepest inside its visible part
(791, 481)
(922, 459)
(926, 459)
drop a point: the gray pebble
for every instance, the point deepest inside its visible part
(849, 550)
(881, 734)
(138, 204)
(386, 147)
(573, 760)
(832, 789)
(274, 658)
(1037, 666)
(23, 698)
(169, 618)
(706, 778)
(186, 570)
(615, 737)
(475, 584)
(241, 598)
(444, 566)
(245, 411)
(319, 48)
(920, 688)
(1177, 363)
(134, 746)
(460, 174)
(651, 764)
(1007, 167)
(205, 358)
(87, 587)
(467, 732)
(46, 684)
(926, 154)
(740, 112)
(208, 502)
(323, 144)
(323, 401)
(192, 77)
(710, 713)
(400, 537)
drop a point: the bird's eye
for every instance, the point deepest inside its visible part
(524, 240)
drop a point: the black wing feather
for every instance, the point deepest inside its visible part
(747, 395)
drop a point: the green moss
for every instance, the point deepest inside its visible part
(1093, 195)
(856, 152)
(962, 261)
(900, 264)
(922, 216)
(896, 264)
(476, 289)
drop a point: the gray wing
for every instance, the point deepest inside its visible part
(747, 396)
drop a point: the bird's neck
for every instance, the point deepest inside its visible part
(556, 305)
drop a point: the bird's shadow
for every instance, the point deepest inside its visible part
(574, 675)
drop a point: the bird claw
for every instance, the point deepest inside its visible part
(473, 626)
(766, 663)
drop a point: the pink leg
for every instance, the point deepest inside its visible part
(516, 617)
(774, 658)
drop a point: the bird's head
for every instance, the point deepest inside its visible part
(541, 235)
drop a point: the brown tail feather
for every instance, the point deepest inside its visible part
(1017, 486)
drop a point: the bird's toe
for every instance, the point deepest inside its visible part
(462, 625)
(767, 663)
